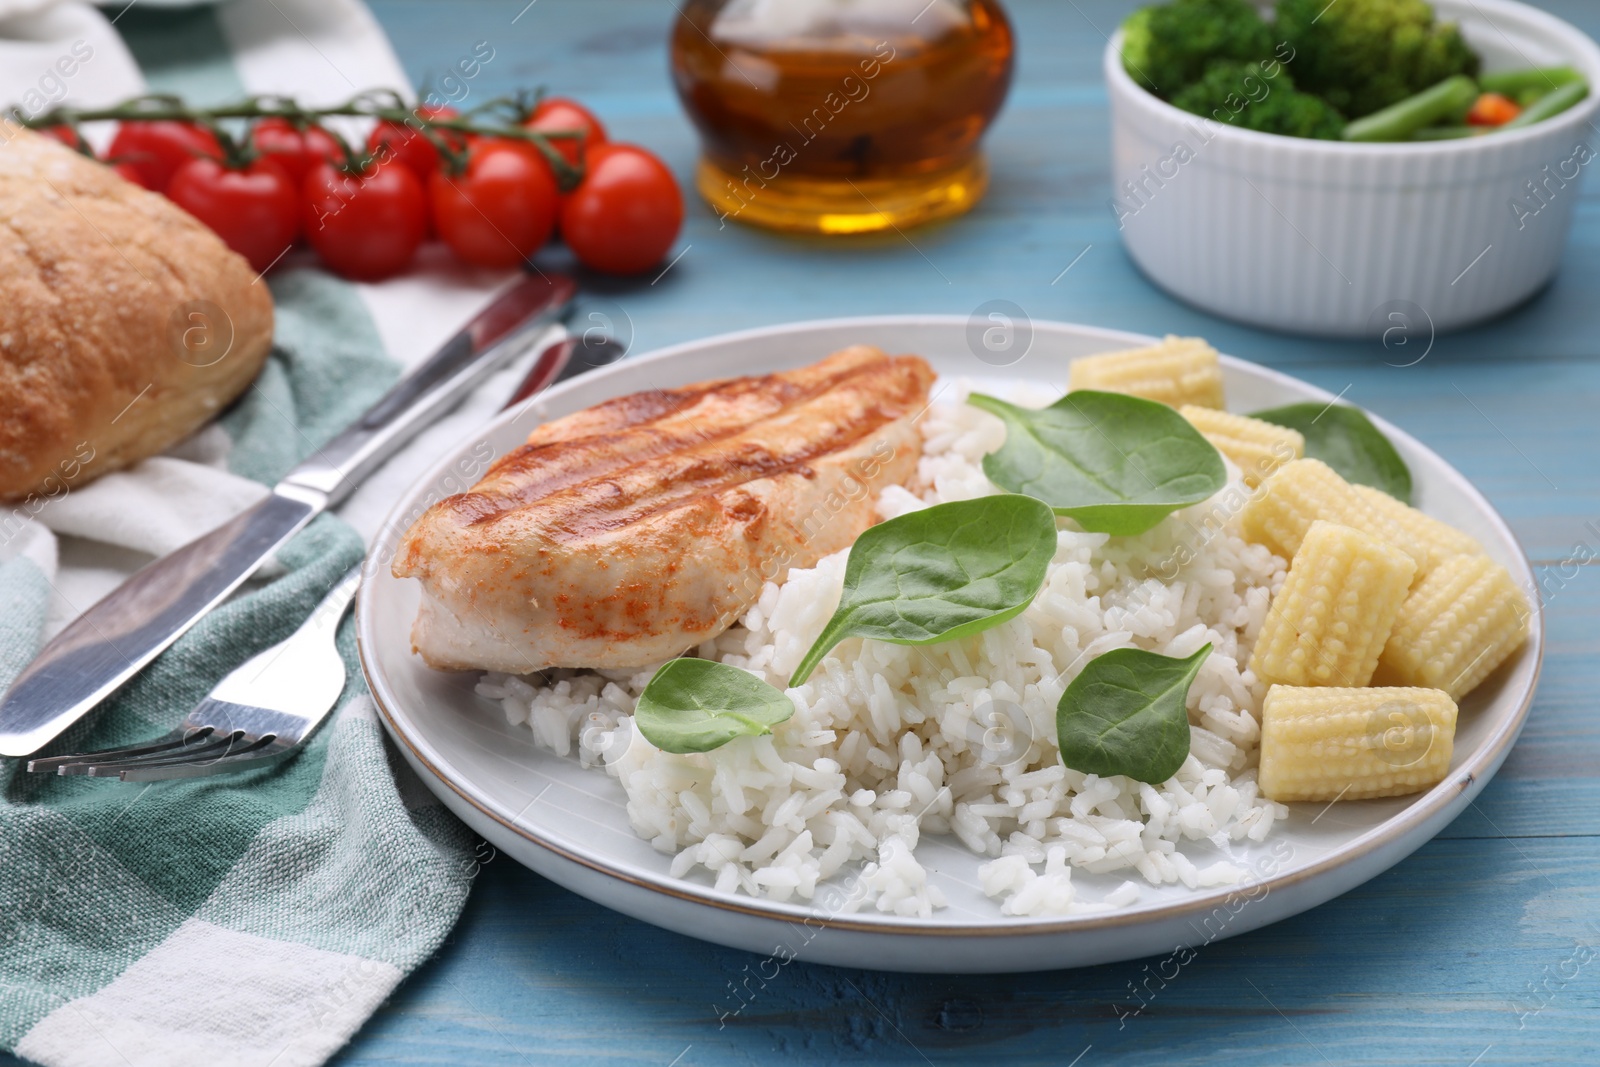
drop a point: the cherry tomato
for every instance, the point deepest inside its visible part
(625, 214)
(397, 142)
(365, 227)
(294, 149)
(501, 210)
(557, 113)
(255, 211)
(155, 150)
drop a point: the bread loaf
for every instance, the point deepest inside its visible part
(125, 324)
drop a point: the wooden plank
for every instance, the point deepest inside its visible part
(1430, 963)
(1562, 737)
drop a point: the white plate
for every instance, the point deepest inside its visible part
(568, 823)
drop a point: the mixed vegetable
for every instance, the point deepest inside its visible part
(1358, 70)
(494, 183)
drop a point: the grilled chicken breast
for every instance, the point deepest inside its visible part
(623, 535)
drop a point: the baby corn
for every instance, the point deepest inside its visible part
(1257, 448)
(1439, 541)
(1324, 745)
(1328, 624)
(1457, 626)
(1304, 490)
(1178, 371)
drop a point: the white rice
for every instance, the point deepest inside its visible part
(889, 742)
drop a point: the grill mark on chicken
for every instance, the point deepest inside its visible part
(663, 458)
(653, 405)
(620, 431)
(770, 393)
(705, 476)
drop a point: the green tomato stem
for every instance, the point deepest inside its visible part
(1397, 122)
(382, 104)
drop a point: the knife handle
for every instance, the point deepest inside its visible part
(495, 336)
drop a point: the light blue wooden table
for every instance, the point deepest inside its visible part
(1479, 949)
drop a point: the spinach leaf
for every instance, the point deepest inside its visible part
(1124, 714)
(696, 705)
(1117, 464)
(944, 572)
(1345, 439)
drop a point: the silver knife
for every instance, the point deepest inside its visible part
(119, 635)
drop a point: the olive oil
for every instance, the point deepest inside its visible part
(841, 116)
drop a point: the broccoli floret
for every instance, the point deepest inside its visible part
(1242, 94)
(1167, 47)
(1363, 55)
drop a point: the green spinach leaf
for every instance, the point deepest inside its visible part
(1116, 464)
(696, 705)
(1345, 439)
(1124, 714)
(944, 572)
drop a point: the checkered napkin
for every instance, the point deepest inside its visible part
(257, 918)
(251, 918)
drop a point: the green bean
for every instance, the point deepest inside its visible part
(1450, 133)
(1397, 122)
(1550, 104)
(1514, 83)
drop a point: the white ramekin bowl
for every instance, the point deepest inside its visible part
(1325, 237)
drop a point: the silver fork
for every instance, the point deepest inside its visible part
(260, 713)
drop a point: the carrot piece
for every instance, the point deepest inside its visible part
(1492, 109)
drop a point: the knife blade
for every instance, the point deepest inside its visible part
(120, 634)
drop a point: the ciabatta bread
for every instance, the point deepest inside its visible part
(125, 324)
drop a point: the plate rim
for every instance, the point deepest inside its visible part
(1480, 767)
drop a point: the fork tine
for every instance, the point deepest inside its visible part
(262, 756)
(264, 709)
(215, 748)
(69, 763)
(213, 756)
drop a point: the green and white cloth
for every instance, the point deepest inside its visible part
(256, 918)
